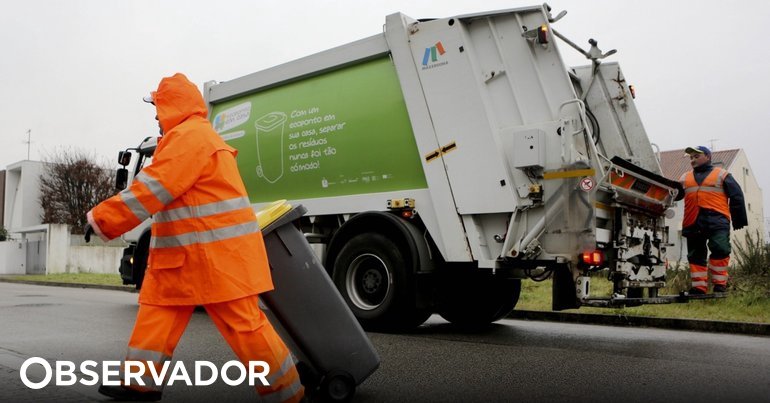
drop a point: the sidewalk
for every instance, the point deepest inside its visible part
(716, 326)
(755, 329)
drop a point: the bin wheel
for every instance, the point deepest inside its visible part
(337, 386)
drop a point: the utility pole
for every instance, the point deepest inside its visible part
(711, 143)
(29, 141)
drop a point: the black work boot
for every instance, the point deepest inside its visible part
(696, 291)
(719, 288)
(127, 394)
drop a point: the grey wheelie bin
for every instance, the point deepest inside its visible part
(334, 353)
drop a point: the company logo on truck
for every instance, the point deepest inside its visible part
(431, 57)
(232, 117)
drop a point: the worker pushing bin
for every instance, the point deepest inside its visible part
(308, 311)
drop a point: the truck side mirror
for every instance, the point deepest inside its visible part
(124, 158)
(121, 178)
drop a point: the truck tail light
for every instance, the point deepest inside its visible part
(595, 258)
(542, 34)
(632, 89)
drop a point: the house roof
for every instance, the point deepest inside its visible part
(674, 163)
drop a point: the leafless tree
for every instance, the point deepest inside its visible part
(72, 183)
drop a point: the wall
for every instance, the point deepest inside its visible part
(51, 249)
(94, 259)
(70, 254)
(58, 241)
(12, 257)
(2, 197)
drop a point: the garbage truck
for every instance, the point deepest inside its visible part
(443, 161)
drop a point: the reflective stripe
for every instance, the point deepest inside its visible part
(699, 274)
(699, 284)
(717, 268)
(282, 394)
(149, 383)
(703, 188)
(722, 175)
(134, 205)
(203, 210)
(155, 358)
(214, 235)
(724, 262)
(717, 277)
(135, 354)
(156, 188)
(288, 364)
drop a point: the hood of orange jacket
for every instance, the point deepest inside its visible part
(176, 100)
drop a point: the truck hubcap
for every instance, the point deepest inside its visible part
(367, 281)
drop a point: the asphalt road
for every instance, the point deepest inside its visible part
(513, 360)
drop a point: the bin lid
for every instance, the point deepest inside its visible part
(272, 212)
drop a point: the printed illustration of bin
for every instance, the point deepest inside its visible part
(270, 145)
(309, 313)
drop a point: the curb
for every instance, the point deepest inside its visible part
(72, 285)
(715, 326)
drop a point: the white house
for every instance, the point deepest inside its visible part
(22, 195)
(674, 163)
(37, 248)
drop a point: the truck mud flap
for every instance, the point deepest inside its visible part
(564, 289)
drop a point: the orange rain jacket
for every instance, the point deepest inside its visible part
(206, 244)
(709, 195)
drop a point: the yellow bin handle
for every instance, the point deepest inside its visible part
(272, 212)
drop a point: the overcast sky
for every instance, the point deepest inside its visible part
(73, 72)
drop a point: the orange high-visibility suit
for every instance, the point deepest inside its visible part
(206, 247)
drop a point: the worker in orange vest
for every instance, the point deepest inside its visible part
(712, 199)
(206, 248)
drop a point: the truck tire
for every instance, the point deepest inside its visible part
(479, 300)
(376, 281)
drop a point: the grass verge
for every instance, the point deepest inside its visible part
(72, 278)
(748, 301)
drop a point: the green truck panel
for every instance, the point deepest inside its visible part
(345, 132)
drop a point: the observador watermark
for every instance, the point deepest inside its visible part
(114, 373)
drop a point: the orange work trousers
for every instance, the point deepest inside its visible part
(244, 326)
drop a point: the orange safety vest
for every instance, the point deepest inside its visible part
(206, 246)
(709, 195)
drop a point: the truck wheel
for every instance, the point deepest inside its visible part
(376, 281)
(484, 300)
(141, 254)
